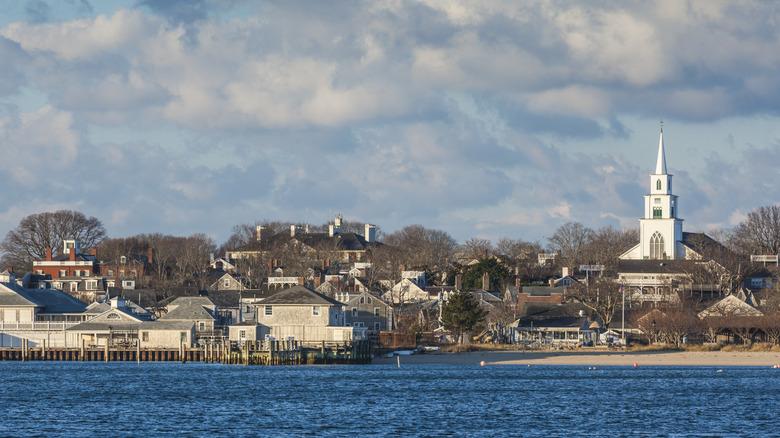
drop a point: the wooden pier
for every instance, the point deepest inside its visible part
(245, 353)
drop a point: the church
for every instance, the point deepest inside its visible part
(658, 266)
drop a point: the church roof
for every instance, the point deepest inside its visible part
(660, 166)
(653, 266)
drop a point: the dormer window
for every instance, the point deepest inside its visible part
(123, 260)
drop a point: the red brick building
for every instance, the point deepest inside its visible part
(71, 263)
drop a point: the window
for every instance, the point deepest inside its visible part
(354, 311)
(656, 246)
(242, 334)
(38, 272)
(123, 260)
(315, 310)
(122, 272)
(658, 185)
(110, 272)
(376, 326)
(358, 324)
(370, 300)
(657, 200)
(269, 310)
(376, 311)
(145, 336)
(658, 212)
(362, 300)
(226, 283)
(74, 287)
(183, 337)
(63, 273)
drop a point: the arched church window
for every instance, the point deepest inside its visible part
(658, 185)
(656, 246)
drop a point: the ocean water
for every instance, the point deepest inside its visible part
(194, 399)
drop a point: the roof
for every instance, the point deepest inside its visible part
(541, 291)
(199, 300)
(191, 311)
(339, 241)
(653, 266)
(49, 300)
(730, 306)
(553, 322)
(104, 326)
(300, 295)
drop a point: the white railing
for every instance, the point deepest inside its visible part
(36, 326)
(766, 258)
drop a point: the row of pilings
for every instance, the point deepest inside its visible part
(271, 352)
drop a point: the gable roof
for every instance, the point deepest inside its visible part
(730, 306)
(300, 295)
(191, 311)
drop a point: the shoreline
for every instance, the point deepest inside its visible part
(592, 358)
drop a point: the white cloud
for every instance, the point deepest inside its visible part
(34, 145)
(572, 101)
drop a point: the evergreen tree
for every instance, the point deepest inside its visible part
(461, 313)
(498, 273)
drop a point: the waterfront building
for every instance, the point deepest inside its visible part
(307, 316)
(36, 315)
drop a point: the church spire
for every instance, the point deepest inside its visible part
(660, 166)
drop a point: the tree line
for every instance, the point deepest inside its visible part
(412, 247)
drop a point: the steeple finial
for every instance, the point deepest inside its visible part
(660, 166)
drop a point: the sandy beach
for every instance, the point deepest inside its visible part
(593, 358)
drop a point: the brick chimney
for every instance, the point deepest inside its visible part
(150, 254)
(48, 254)
(73, 254)
(93, 251)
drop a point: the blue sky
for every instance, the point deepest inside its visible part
(489, 119)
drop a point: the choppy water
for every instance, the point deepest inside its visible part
(173, 399)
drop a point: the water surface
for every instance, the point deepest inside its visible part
(193, 399)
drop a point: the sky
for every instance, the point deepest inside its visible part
(485, 119)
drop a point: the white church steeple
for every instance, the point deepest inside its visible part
(660, 229)
(660, 165)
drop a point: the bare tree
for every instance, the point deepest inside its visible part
(423, 247)
(35, 233)
(711, 327)
(760, 232)
(602, 295)
(674, 324)
(571, 240)
(477, 248)
(605, 245)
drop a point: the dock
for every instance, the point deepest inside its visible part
(269, 352)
